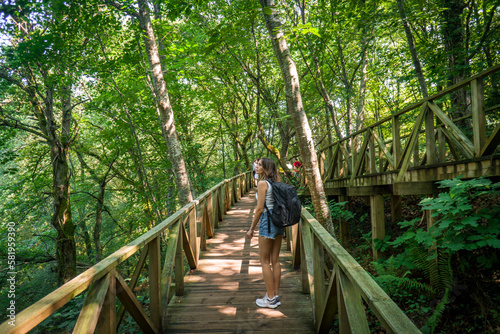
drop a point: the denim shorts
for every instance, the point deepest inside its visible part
(264, 227)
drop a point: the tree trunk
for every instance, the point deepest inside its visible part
(296, 110)
(413, 50)
(98, 221)
(61, 219)
(453, 37)
(169, 132)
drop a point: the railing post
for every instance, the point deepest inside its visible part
(442, 145)
(107, 319)
(478, 115)
(378, 223)
(372, 164)
(203, 226)
(179, 263)
(214, 207)
(154, 282)
(396, 140)
(193, 233)
(343, 224)
(319, 280)
(430, 137)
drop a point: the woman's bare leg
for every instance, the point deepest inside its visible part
(275, 260)
(265, 249)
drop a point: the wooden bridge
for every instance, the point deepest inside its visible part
(322, 283)
(219, 295)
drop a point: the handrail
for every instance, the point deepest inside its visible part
(343, 287)
(105, 282)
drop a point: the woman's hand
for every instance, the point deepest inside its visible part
(250, 234)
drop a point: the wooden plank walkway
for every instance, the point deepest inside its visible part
(220, 294)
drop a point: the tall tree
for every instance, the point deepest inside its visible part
(44, 81)
(297, 113)
(168, 127)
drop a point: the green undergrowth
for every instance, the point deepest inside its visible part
(445, 277)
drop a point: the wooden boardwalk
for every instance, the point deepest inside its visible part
(220, 294)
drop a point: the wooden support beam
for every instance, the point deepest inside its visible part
(395, 209)
(332, 191)
(352, 317)
(452, 128)
(442, 145)
(307, 240)
(166, 274)
(179, 264)
(331, 306)
(396, 140)
(204, 227)
(372, 167)
(343, 224)
(478, 115)
(454, 144)
(360, 155)
(107, 319)
(384, 149)
(87, 321)
(303, 259)
(404, 161)
(430, 138)
(377, 221)
(492, 143)
(133, 282)
(296, 248)
(154, 282)
(369, 190)
(414, 188)
(193, 233)
(319, 277)
(187, 249)
(133, 306)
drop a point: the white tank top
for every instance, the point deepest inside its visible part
(269, 196)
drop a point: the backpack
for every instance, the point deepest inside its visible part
(287, 205)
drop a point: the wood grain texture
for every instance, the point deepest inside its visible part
(220, 294)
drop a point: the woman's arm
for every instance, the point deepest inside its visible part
(259, 209)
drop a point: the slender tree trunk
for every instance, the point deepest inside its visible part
(453, 37)
(169, 132)
(411, 44)
(296, 110)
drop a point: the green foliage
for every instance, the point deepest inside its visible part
(458, 226)
(466, 224)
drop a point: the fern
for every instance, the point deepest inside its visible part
(395, 283)
(433, 320)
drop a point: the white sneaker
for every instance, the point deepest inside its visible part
(278, 303)
(267, 302)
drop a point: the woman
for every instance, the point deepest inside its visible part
(270, 236)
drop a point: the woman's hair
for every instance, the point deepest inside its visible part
(269, 171)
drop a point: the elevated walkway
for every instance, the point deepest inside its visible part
(219, 296)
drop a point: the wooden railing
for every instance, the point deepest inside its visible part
(105, 282)
(428, 137)
(339, 286)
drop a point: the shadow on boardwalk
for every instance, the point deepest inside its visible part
(220, 294)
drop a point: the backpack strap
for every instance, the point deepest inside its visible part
(268, 212)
